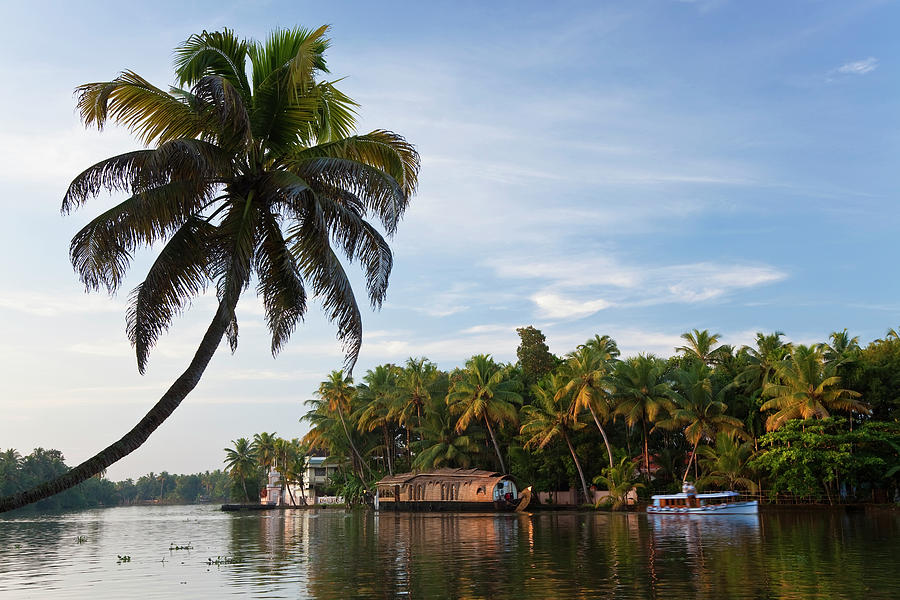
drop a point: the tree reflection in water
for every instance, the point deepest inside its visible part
(338, 554)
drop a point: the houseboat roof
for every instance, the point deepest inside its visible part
(468, 474)
(683, 495)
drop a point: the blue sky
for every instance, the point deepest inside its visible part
(636, 168)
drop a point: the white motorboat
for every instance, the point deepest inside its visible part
(689, 502)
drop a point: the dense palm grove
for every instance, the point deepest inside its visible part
(805, 422)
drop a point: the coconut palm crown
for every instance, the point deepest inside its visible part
(250, 169)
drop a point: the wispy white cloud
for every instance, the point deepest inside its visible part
(556, 306)
(573, 288)
(859, 67)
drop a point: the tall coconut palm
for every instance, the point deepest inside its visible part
(840, 350)
(485, 392)
(290, 460)
(701, 345)
(548, 418)
(376, 396)
(338, 392)
(702, 416)
(763, 361)
(417, 384)
(240, 462)
(441, 445)
(644, 396)
(587, 375)
(806, 390)
(251, 169)
(605, 346)
(265, 447)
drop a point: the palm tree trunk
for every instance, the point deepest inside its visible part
(584, 487)
(687, 469)
(496, 447)
(353, 447)
(244, 485)
(646, 452)
(387, 450)
(132, 440)
(603, 433)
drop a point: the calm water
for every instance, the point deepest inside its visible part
(332, 554)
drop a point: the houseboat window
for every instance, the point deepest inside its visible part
(480, 491)
(320, 471)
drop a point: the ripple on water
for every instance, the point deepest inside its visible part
(336, 554)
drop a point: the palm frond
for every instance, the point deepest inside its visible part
(229, 108)
(234, 265)
(177, 275)
(213, 53)
(151, 114)
(380, 192)
(320, 266)
(101, 252)
(381, 149)
(280, 284)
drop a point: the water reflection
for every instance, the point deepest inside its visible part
(335, 553)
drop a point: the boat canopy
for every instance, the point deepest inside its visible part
(698, 496)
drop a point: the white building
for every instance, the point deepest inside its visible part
(316, 477)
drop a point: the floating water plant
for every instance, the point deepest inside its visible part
(123, 558)
(174, 546)
(81, 539)
(222, 560)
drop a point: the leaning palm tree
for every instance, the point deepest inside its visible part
(338, 393)
(644, 396)
(587, 374)
(697, 411)
(807, 390)
(485, 392)
(250, 168)
(240, 462)
(548, 418)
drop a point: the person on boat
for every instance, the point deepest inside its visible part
(688, 489)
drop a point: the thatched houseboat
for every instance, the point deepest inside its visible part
(449, 489)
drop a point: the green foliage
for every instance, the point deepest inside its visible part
(619, 480)
(814, 457)
(726, 463)
(23, 472)
(702, 403)
(876, 376)
(534, 355)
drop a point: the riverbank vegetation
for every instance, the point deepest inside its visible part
(817, 422)
(19, 472)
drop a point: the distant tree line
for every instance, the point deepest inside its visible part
(812, 422)
(19, 472)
